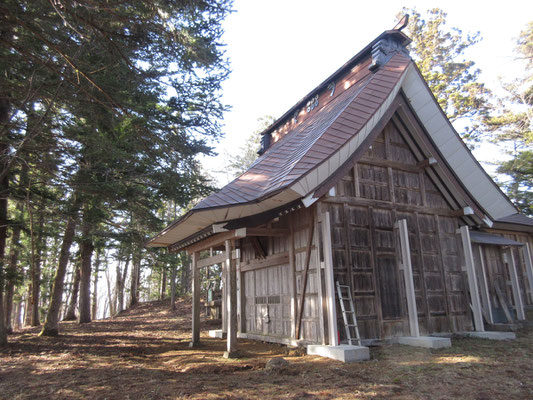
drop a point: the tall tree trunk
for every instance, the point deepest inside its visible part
(4, 186)
(163, 284)
(37, 249)
(121, 280)
(111, 298)
(18, 315)
(71, 311)
(94, 307)
(135, 278)
(27, 306)
(12, 269)
(86, 251)
(51, 326)
(173, 288)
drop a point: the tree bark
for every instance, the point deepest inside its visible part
(36, 275)
(163, 284)
(12, 270)
(135, 277)
(94, 307)
(71, 311)
(4, 186)
(173, 288)
(51, 326)
(121, 280)
(86, 250)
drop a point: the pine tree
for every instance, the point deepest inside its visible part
(512, 128)
(439, 54)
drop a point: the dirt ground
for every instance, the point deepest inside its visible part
(144, 354)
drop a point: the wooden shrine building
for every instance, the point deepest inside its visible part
(366, 183)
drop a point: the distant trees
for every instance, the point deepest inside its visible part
(104, 107)
(240, 161)
(454, 81)
(511, 124)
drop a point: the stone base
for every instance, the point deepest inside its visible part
(217, 334)
(344, 353)
(491, 335)
(429, 342)
(233, 354)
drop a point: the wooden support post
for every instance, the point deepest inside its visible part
(407, 269)
(241, 299)
(195, 301)
(225, 294)
(529, 269)
(330, 281)
(515, 285)
(292, 281)
(485, 297)
(231, 291)
(305, 276)
(472, 280)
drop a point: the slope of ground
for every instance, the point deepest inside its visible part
(144, 354)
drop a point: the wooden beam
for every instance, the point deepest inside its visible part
(407, 269)
(305, 275)
(195, 301)
(472, 280)
(330, 281)
(428, 162)
(462, 212)
(267, 232)
(207, 262)
(269, 261)
(515, 285)
(231, 303)
(259, 251)
(216, 240)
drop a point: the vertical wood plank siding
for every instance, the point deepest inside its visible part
(385, 186)
(269, 291)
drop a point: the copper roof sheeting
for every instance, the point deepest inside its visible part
(314, 140)
(488, 238)
(519, 219)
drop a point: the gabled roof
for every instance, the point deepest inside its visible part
(325, 129)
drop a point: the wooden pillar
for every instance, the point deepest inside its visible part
(407, 268)
(241, 298)
(224, 297)
(485, 297)
(195, 300)
(319, 280)
(472, 280)
(330, 281)
(292, 281)
(231, 279)
(529, 269)
(517, 297)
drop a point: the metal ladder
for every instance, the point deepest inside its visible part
(345, 296)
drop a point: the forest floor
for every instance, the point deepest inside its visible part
(144, 354)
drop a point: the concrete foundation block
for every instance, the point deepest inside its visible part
(429, 342)
(344, 353)
(491, 335)
(217, 334)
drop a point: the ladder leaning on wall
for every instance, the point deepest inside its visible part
(348, 315)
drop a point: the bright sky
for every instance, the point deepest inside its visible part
(281, 49)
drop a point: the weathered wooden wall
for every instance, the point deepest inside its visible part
(269, 291)
(384, 187)
(522, 237)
